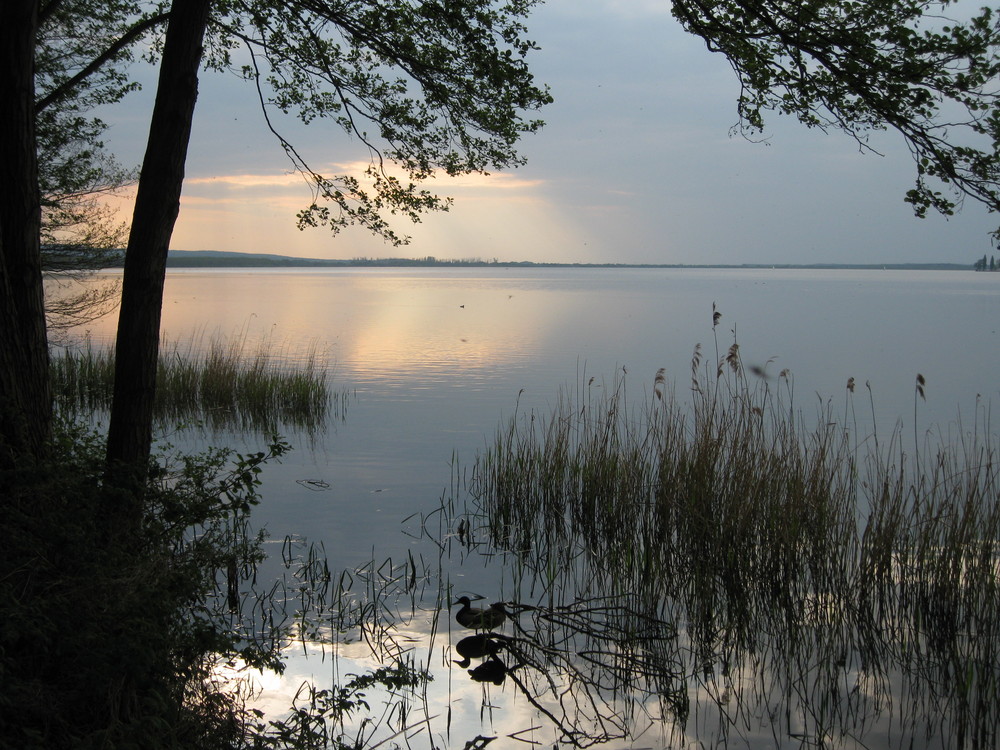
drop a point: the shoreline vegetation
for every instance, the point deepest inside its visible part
(762, 563)
(667, 560)
(220, 259)
(224, 385)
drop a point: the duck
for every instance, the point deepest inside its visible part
(479, 618)
(476, 647)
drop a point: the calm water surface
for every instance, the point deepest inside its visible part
(436, 359)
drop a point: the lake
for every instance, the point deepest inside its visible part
(435, 360)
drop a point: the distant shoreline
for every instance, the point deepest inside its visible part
(219, 259)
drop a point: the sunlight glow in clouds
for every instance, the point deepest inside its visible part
(494, 216)
(634, 165)
(246, 180)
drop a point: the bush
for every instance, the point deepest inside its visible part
(112, 642)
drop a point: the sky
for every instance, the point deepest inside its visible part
(635, 164)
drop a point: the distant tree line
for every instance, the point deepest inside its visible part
(429, 260)
(986, 265)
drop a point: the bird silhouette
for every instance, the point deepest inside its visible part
(476, 647)
(479, 618)
(492, 670)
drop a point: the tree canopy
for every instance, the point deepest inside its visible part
(79, 232)
(914, 66)
(427, 87)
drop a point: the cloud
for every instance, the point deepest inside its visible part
(500, 181)
(628, 9)
(503, 182)
(237, 181)
(494, 215)
(635, 163)
(244, 203)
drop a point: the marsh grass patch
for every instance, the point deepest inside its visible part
(224, 384)
(791, 555)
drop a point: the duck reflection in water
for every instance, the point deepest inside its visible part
(492, 670)
(477, 646)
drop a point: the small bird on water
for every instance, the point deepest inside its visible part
(479, 618)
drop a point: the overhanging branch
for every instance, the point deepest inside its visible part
(126, 39)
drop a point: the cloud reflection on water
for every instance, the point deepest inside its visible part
(435, 378)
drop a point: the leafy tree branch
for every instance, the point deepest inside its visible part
(859, 67)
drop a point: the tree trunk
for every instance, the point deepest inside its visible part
(156, 207)
(25, 397)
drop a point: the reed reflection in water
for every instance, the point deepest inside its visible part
(801, 586)
(708, 604)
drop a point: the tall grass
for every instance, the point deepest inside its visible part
(226, 385)
(786, 548)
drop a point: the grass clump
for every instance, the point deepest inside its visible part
(225, 386)
(728, 502)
